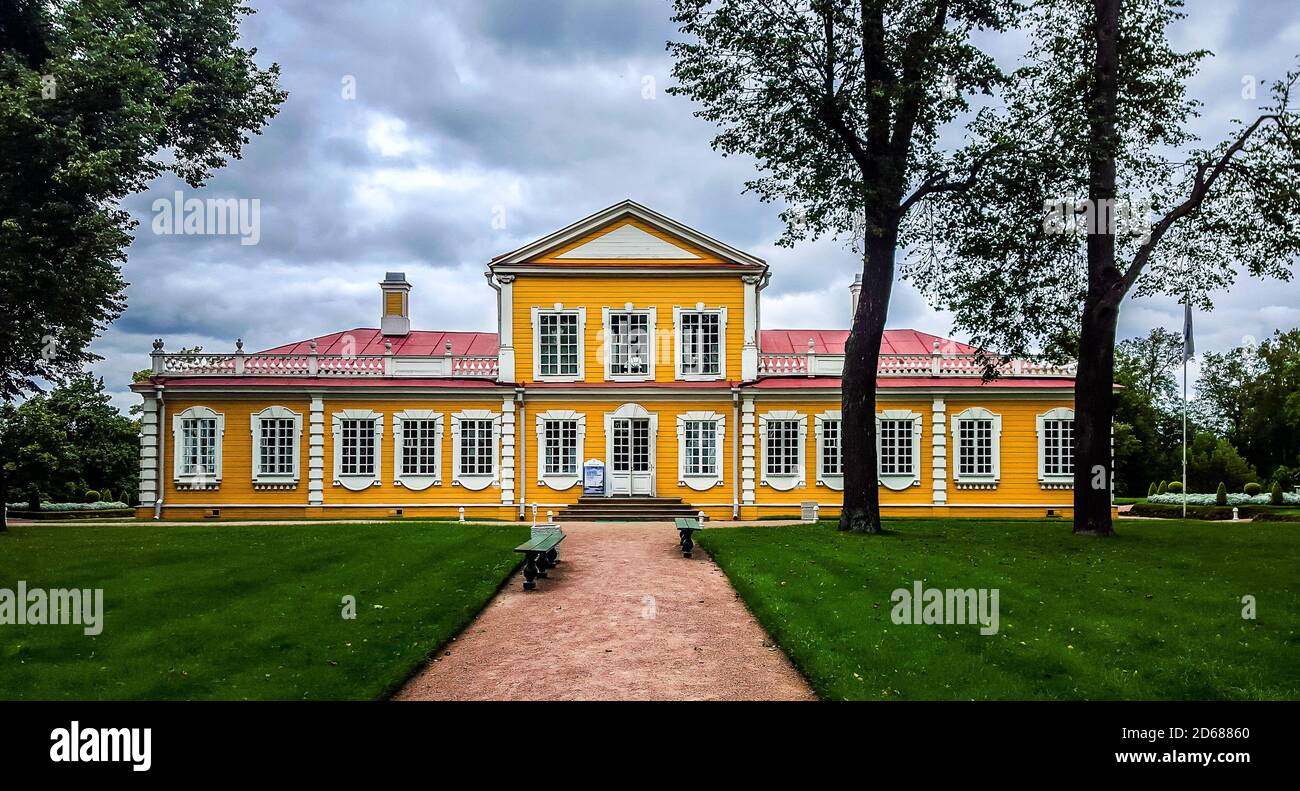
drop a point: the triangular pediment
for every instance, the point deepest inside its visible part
(628, 234)
(627, 242)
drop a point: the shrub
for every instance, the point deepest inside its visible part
(1151, 490)
(1251, 489)
(49, 506)
(1175, 487)
(1234, 498)
(1221, 494)
(1163, 488)
(106, 495)
(92, 496)
(1275, 493)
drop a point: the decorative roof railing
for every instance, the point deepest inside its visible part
(936, 363)
(480, 366)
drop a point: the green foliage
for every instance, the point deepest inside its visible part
(1211, 459)
(97, 100)
(1275, 493)
(1221, 494)
(1175, 487)
(262, 601)
(106, 495)
(91, 496)
(1164, 488)
(60, 444)
(1152, 489)
(1251, 489)
(826, 599)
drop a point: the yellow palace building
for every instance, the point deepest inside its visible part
(630, 374)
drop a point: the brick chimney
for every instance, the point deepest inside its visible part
(396, 317)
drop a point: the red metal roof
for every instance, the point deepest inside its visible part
(832, 342)
(313, 382)
(419, 343)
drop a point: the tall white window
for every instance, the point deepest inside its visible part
(560, 447)
(357, 437)
(199, 446)
(701, 438)
(276, 434)
(1056, 448)
(475, 440)
(976, 436)
(558, 344)
(417, 450)
(701, 342)
(782, 447)
(830, 450)
(898, 447)
(196, 436)
(476, 448)
(630, 344)
(358, 447)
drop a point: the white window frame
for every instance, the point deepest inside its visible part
(268, 480)
(560, 481)
(416, 483)
(652, 345)
(977, 481)
(1054, 481)
(353, 482)
(581, 313)
(196, 480)
(830, 481)
(721, 313)
(897, 482)
(783, 483)
(476, 482)
(697, 481)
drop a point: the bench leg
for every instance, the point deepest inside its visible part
(687, 543)
(543, 563)
(553, 557)
(530, 570)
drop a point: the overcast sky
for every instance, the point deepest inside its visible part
(539, 113)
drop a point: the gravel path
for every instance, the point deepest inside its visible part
(623, 617)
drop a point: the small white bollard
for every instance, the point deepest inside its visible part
(534, 513)
(700, 515)
(1234, 513)
(462, 513)
(550, 517)
(817, 512)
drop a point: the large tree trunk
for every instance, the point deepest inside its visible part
(1093, 394)
(861, 512)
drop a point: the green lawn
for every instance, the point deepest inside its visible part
(1154, 613)
(226, 612)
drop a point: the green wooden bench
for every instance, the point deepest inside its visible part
(540, 554)
(685, 528)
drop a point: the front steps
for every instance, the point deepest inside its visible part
(625, 509)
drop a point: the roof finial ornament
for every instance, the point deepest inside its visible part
(388, 347)
(239, 344)
(313, 345)
(158, 344)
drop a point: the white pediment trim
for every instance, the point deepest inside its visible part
(630, 242)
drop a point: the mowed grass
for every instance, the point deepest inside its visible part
(225, 612)
(1154, 613)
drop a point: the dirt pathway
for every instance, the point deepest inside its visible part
(623, 617)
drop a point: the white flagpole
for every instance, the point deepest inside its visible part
(1184, 430)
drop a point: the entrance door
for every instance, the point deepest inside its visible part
(631, 471)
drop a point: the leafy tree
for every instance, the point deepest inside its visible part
(1148, 419)
(841, 102)
(67, 444)
(97, 98)
(1252, 395)
(1103, 192)
(1211, 459)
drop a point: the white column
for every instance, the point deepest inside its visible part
(939, 452)
(506, 330)
(748, 464)
(150, 464)
(316, 452)
(749, 350)
(508, 449)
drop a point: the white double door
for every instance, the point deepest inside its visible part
(631, 455)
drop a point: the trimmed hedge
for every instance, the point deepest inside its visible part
(62, 507)
(1211, 512)
(1288, 498)
(1252, 489)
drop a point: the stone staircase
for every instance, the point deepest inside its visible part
(625, 509)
